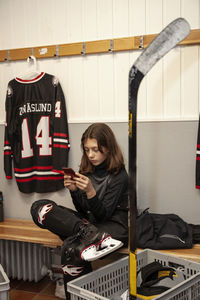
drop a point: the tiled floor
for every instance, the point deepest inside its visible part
(24, 290)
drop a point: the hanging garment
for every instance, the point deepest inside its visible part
(36, 134)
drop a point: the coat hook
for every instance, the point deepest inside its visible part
(31, 57)
(8, 56)
(57, 51)
(141, 46)
(83, 52)
(111, 46)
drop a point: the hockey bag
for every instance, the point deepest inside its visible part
(163, 231)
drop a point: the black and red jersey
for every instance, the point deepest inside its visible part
(36, 134)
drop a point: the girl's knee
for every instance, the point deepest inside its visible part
(39, 209)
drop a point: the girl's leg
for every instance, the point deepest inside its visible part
(58, 219)
(65, 223)
(73, 266)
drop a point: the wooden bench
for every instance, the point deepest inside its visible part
(27, 231)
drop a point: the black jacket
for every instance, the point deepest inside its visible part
(110, 201)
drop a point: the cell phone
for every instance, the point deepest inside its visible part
(69, 172)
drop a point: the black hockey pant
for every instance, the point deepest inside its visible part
(65, 223)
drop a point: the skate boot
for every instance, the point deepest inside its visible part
(93, 244)
(72, 265)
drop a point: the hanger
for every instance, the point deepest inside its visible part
(33, 58)
(32, 71)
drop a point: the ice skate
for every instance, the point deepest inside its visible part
(89, 244)
(95, 244)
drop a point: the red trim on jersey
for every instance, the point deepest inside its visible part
(30, 80)
(60, 146)
(40, 178)
(33, 168)
(6, 143)
(8, 152)
(8, 177)
(197, 186)
(198, 145)
(197, 158)
(60, 134)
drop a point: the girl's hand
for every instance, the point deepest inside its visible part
(85, 184)
(69, 183)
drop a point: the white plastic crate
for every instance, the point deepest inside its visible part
(112, 280)
(4, 285)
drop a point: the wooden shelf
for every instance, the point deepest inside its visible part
(90, 47)
(27, 231)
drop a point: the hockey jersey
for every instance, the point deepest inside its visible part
(36, 139)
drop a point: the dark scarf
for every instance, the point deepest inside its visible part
(100, 179)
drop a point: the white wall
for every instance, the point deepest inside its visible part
(96, 86)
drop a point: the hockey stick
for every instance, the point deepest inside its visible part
(167, 39)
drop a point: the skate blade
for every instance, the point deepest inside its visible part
(108, 246)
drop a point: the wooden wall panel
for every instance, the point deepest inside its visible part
(104, 19)
(106, 75)
(96, 86)
(171, 67)
(75, 89)
(120, 18)
(121, 60)
(137, 26)
(106, 87)
(74, 16)
(90, 30)
(91, 93)
(189, 82)
(60, 28)
(189, 64)
(154, 77)
(154, 92)
(17, 24)
(170, 14)
(6, 24)
(171, 85)
(137, 17)
(154, 13)
(190, 11)
(121, 69)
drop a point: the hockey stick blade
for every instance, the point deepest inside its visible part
(167, 39)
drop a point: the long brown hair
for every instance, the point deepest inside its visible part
(105, 138)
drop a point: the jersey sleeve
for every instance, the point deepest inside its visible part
(8, 134)
(61, 144)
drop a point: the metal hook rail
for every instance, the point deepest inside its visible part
(90, 47)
